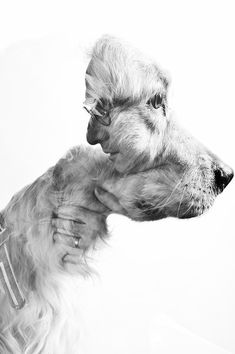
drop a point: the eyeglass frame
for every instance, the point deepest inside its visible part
(99, 118)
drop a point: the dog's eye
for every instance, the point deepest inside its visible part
(156, 101)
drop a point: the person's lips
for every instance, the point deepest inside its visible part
(112, 154)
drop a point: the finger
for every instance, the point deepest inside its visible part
(73, 255)
(109, 200)
(69, 212)
(72, 259)
(75, 213)
(66, 227)
(72, 242)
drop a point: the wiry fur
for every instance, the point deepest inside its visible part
(159, 171)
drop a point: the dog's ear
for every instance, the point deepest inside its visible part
(57, 177)
(60, 177)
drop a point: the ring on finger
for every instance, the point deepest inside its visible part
(76, 242)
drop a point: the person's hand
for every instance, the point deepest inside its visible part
(109, 200)
(76, 229)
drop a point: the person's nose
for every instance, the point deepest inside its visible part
(96, 134)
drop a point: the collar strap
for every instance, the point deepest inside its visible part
(7, 275)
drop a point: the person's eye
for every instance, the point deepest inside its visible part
(102, 116)
(103, 119)
(156, 101)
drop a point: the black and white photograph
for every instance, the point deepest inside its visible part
(116, 184)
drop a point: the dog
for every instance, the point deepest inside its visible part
(126, 96)
(149, 169)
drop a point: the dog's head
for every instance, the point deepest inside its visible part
(126, 95)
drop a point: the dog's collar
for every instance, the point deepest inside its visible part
(7, 275)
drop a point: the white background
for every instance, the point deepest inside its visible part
(164, 287)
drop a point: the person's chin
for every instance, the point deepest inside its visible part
(121, 165)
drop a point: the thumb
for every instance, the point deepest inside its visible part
(109, 200)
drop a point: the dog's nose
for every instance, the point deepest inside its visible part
(222, 178)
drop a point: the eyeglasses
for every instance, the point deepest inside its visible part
(103, 119)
